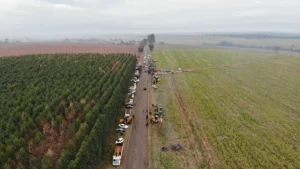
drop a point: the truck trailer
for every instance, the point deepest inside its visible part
(118, 154)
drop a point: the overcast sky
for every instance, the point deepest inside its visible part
(41, 18)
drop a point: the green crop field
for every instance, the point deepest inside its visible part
(57, 110)
(241, 109)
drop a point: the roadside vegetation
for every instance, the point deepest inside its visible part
(240, 110)
(57, 110)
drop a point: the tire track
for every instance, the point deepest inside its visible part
(211, 157)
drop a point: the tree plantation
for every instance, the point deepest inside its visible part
(57, 110)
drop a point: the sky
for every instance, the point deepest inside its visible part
(72, 18)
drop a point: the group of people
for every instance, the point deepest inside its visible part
(146, 119)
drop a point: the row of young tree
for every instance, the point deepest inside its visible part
(93, 148)
(71, 93)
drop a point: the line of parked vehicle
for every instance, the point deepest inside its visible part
(132, 91)
(126, 119)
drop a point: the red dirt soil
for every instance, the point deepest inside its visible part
(36, 48)
(55, 139)
(116, 66)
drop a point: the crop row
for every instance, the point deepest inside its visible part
(249, 112)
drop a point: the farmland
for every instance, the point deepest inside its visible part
(55, 47)
(198, 40)
(57, 109)
(234, 110)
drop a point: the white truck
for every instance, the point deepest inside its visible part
(118, 153)
(137, 74)
(127, 112)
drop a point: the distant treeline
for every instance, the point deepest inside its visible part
(269, 47)
(262, 35)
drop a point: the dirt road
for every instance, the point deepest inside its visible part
(137, 150)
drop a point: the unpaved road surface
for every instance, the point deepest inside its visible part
(36, 48)
(137, 150)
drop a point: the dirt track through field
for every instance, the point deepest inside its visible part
(211, 157)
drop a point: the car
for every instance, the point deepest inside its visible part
(132, 91)
(123, 126)
(135, 80)
(132, 96)
(120, 129)
(132, 88)
(120, 140)
(123, 132)
(129, 103)
(129, 106)
(145, 88)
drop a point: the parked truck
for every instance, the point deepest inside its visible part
(118, 153)
(137, 74)
(138, 66)
(127, 112)
(126, 120)
(127, 117)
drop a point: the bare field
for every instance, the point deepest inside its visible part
(36, 48)
(235, 110)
